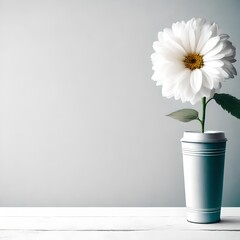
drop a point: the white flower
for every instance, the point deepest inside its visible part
(192, 59)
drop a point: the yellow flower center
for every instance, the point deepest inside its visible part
(193, 61)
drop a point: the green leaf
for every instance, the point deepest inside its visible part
(184, 115)
(228, 103)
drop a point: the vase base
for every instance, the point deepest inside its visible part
(203, 222)
(203, 216)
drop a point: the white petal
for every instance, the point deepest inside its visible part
(176, 47)
(224, 36)
(192, 40)
(215, 57)
(168, 88)
(183, 79)
(196, 80)
(214, 29)
(205, 35)
(216, 63)
(210, 70)
(204, 92)
(213, 52)
(173, 42)
(183, 83)
(229, 68)
(168, 54)
(210, 44)
(207, 80)
(157, 77)
(185, 40)
(187, 93)
(223, 73)
(228, 50)
(157, 46)
(177, 29)
(160, 37)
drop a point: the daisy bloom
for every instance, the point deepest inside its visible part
(191, 60)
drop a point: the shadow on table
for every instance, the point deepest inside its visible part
(230, 220)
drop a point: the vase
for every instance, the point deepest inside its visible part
(203, 165)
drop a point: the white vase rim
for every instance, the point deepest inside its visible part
(208, 136)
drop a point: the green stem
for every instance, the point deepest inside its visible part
(204, 105)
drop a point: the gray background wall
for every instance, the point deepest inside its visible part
(81, 121)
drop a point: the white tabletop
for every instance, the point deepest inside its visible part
(113, 223)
